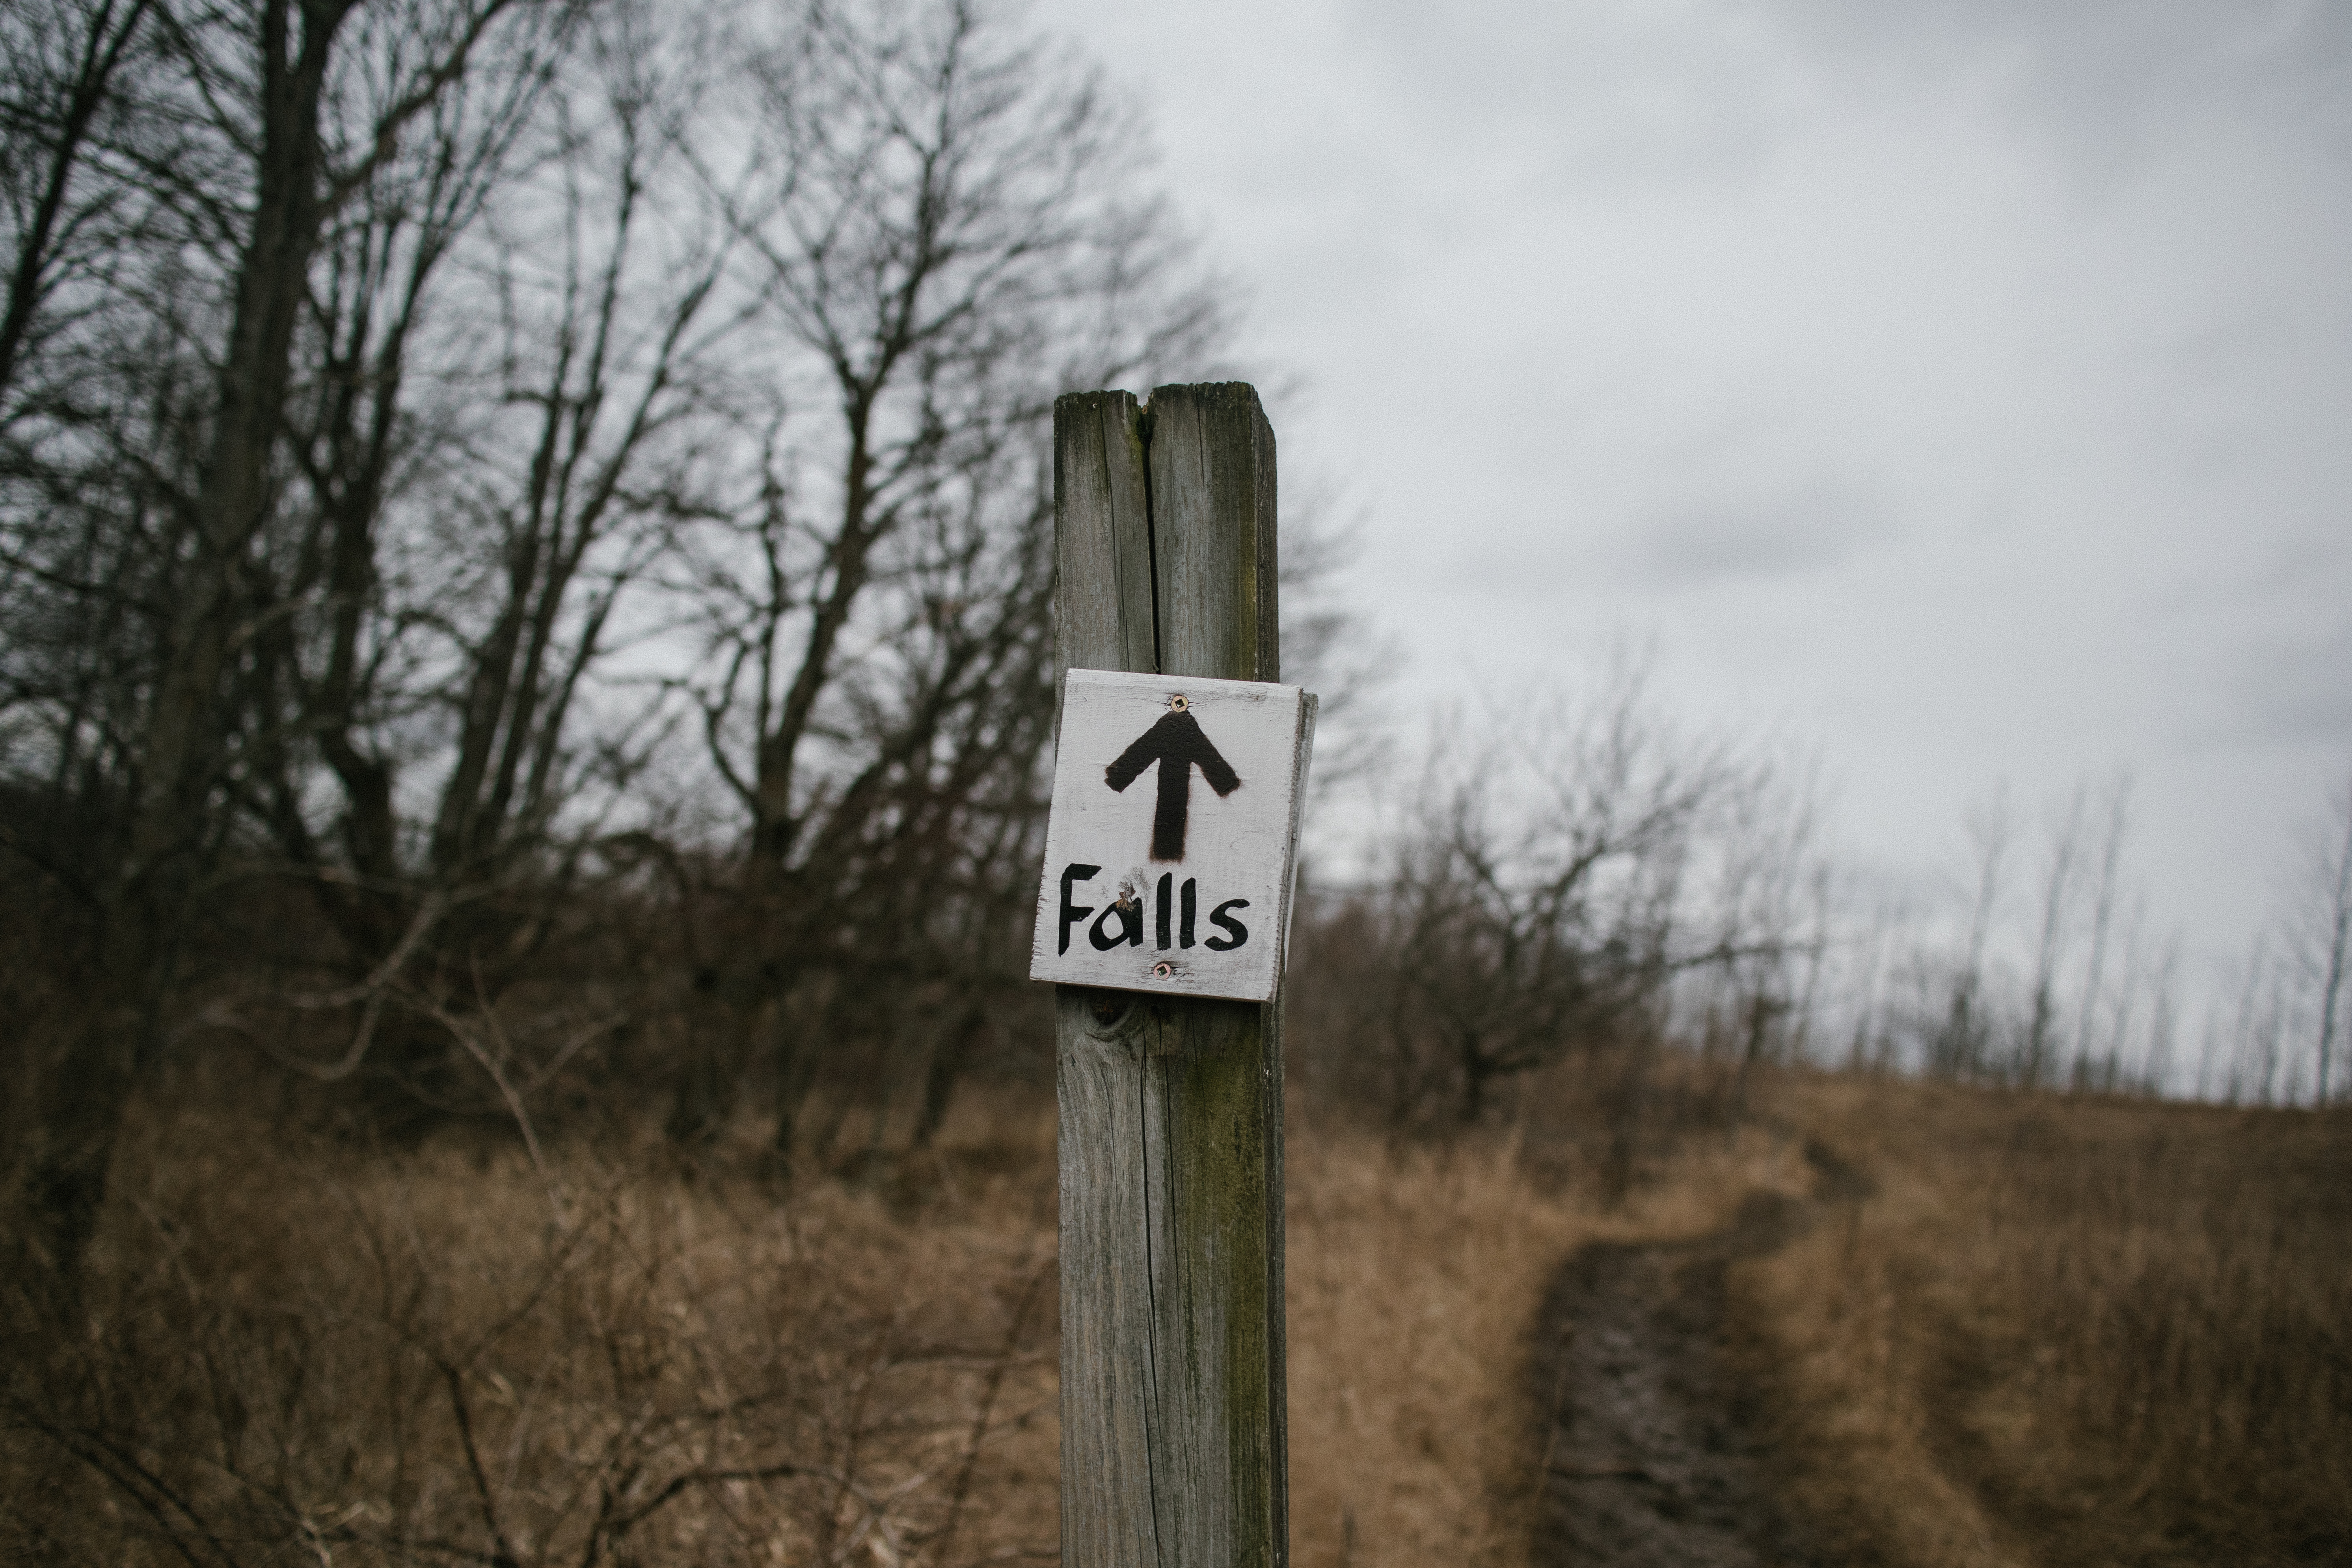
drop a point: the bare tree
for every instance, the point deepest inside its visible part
(64, 203)
(2323, 939)
(1867, 1049)
(431, 336)
(1540, 901)
(1767, 887)
(512, 397)
(272, 119)
(2163, 1024)
(939, 231)
(2105, 1069)
(1958, 1048)
(2255, 1027)
(2103, 909)
(603, 368)
(2057, 897)
(408, 345)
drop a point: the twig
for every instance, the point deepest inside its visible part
(502, 1555)
(459, 1032)
(371, 991)
(980, 1420)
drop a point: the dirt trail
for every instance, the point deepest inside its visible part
(1651, 1453)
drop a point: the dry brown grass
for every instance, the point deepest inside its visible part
(446, 1354)
(311, 1352)
(2059, 1331)
(2067, 1331)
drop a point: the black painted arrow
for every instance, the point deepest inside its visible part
(1177, 744)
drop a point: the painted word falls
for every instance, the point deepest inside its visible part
(1181, 881)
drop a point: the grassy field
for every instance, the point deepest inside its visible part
(2028, 1330)
(2065, 1330)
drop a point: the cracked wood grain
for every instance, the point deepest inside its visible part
(1171, 1109)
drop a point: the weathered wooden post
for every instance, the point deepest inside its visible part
(1171, 1120)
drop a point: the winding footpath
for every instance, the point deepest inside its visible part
(1652, 1453)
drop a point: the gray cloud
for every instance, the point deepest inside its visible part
(1757, 536)
(2293, 690)
(1965, 380)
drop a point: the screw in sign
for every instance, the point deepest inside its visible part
(1184, 887)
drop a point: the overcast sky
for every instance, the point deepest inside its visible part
(1962, 391)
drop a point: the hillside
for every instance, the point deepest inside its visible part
(1938, 1326)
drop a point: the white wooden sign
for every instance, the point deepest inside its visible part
(1179, 882)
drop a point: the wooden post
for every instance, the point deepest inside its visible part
(1171, 1109)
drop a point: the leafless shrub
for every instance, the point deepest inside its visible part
(1549, 891)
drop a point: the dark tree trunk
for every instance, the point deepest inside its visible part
(79, 1107)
